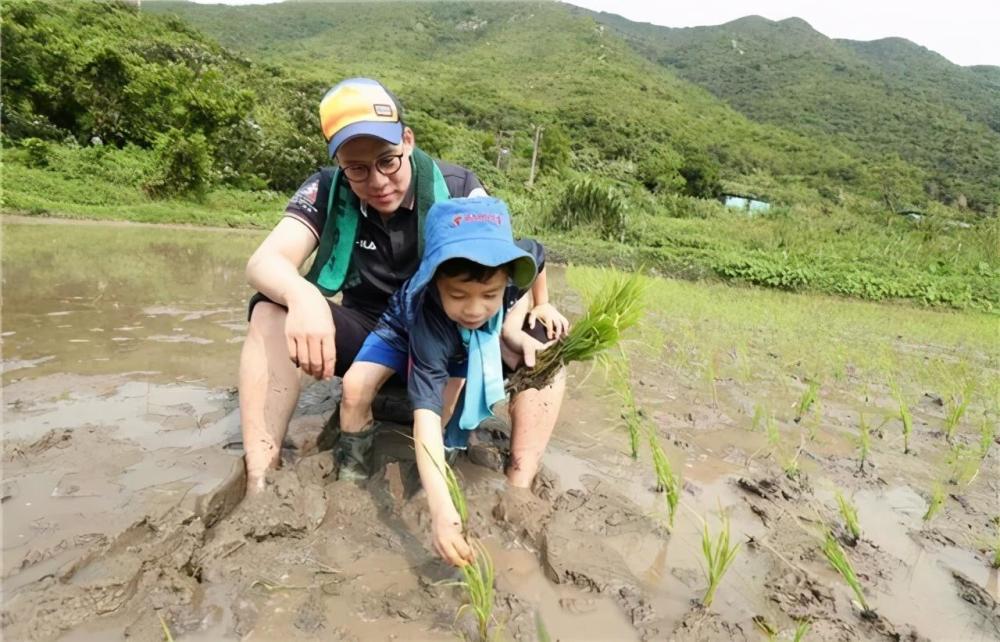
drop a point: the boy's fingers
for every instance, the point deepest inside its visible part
(529, 355)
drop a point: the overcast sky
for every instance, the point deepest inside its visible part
(966, 32)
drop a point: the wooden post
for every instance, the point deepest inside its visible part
(534, 154)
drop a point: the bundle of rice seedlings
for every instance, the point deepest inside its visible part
(667, 480)
(838, 560)
(479, 576)
(995, 558)
(759, 417)
(718, 556)
(615, 308)
(850, 515)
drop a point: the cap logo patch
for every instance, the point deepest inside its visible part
(494, 219)
(383, 110)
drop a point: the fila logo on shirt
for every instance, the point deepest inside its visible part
(366, 245)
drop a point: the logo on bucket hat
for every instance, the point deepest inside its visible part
(360, 107)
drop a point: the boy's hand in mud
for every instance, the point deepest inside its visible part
(309, 333)
(450, 544)
(556, 325)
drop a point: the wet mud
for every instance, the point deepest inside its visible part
(123, 512)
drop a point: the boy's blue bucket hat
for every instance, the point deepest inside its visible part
(477, 229)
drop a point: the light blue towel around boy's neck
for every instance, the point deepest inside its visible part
(483, 381)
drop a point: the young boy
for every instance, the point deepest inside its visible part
(462, 316)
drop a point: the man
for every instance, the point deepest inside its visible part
(363, 219)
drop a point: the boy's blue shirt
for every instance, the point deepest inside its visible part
(433, 341)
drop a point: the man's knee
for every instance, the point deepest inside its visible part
(267, 319)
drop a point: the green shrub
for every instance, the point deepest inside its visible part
(593, 203)
(183, 165)
(38, 152)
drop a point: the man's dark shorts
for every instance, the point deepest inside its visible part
(352, 327)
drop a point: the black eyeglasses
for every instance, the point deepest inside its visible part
(386, 166)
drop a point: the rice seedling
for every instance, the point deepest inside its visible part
(995, 558)
(905, 418)
(667, 480)
(710, 378)
(987, 435)
(800, 631)
(621, 372)
(166, 629)
(718, 557)
(935, 504)
(765, 627)
(614, 309)
(864, 441)
(540, 629)
(807, 400)
(838, 560)
(963, 464)
(759, 417)
(773, 435)
(959, 404)
(850, 514)
(790, 462)
(477, 577)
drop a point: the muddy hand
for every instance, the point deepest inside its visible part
(449, 542)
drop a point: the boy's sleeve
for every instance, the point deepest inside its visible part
(433, 342)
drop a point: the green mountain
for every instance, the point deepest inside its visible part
(881, 99)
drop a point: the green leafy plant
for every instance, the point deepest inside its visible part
(838, 560)
(800, 631)
(995, 557)
(718, 556)
(614, 309)
(759, 417)
(850, 514)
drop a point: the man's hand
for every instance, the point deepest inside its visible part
(446, 534)
(309, 333)
(556, 325)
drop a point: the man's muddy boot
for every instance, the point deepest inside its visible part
(353, 453)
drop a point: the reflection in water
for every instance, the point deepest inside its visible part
(106, 299)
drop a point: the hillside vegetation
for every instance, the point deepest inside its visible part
(216, 106)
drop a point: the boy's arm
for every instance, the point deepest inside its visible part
(433, 339)
(446, 524)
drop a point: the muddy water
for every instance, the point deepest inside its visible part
(119, 353)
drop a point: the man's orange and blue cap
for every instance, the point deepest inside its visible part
(360, 107)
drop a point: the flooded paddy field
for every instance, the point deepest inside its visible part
(122, 470)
